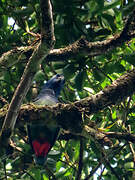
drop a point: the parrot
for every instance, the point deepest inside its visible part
(42, 137)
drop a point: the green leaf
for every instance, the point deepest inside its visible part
(45, 177)
(128, 9)
(114, 67)
(51, 163)
(39, 76)
(114, 115)
(130, 58)
(60, 174)
(118, 67)
(1, 21)
(37, 174)
(129, 165)
(23, 12)
(103, 32)
(111, 5)
(108, 21)
(95, 149)
(58, 65)
(69, 71)
(7, 77)
(79, 80)
(99, 76)
(54, 152)
(58, 165)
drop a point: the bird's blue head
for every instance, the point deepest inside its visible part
(56, 83)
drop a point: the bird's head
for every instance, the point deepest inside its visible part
(56, 83)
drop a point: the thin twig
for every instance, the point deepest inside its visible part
(80, 160)
(100, 70)
(3, 100)
(110, 155)
(4, 163)
(51, 173)
(107, 162)
(65, 162)
(29, 174)
(100, 177)
(132, 151)
(93, 171)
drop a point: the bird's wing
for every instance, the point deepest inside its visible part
(46, 97)
(46, 100)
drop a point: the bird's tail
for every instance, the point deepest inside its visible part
(41, 139)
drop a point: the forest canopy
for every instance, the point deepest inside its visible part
(90, 42)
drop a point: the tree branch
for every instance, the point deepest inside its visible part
(69, 116)
(107, 163)
(120, 89)
(93, 171)
(47, 27)
(95, 48)
(38, 55)
(14, 56)
(125, 136)
(80, 46)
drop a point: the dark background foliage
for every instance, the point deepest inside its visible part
(97, 20)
